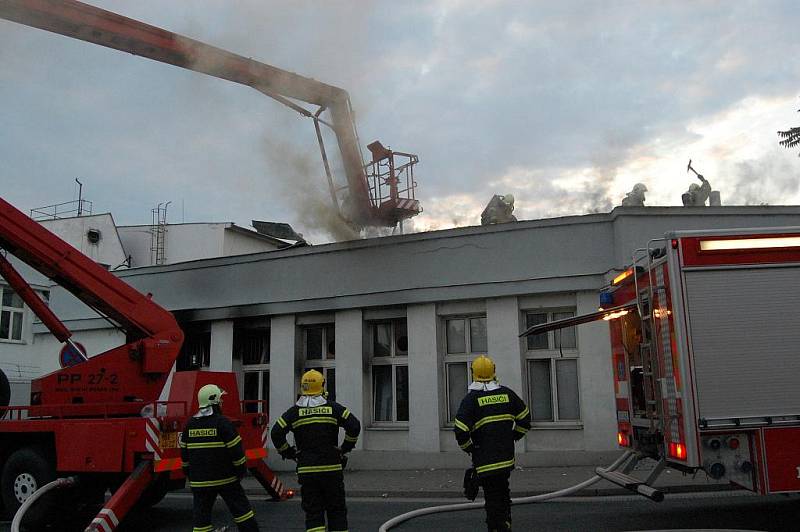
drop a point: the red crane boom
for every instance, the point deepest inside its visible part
(140, 367)
(374, 198)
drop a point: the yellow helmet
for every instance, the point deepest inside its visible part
(210, 394)
(312, 382)
(483, 369)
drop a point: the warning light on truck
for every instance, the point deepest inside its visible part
(677, 450)
(621, 277)
(749, 243)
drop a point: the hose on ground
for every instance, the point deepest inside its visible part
(57, 483)
(385, 527)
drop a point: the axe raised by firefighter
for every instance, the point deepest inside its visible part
(689, 167)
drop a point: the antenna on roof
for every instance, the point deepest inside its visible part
(80, 196)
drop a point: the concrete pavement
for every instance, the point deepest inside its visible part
(438, 483)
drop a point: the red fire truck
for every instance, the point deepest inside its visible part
(705, 342)
(112, 420)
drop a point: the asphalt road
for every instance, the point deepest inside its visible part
(699, 511)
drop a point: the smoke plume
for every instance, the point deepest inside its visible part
(770, 179)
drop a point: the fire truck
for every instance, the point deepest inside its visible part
(111, 420)
(705, 346)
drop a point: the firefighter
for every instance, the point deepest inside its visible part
(214, 462)
(490, 419)
(315, 422)
(635, 198)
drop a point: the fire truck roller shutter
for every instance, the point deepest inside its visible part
(745, 336)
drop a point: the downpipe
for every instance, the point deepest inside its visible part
(393, 522)
(66, 482)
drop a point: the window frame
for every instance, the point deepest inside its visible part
(192, 335)
(12, 311)
(553, 353)
(393, 360)
(324, 364)
(260, 369)
(464, 358)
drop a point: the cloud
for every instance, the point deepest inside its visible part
(564, 105)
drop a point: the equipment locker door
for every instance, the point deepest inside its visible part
(745, 340)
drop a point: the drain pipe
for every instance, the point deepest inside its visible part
(385, 527)
(66, 482)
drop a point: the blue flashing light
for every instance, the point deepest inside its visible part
(606, 299)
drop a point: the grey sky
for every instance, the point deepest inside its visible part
(566, 105)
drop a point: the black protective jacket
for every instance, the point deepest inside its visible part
(211, 451)
(316, 434)
(487, 425)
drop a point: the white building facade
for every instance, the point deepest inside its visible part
(394, 322)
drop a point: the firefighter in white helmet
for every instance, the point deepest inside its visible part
(490, 419)
(635, 198)
(315, 422)
(214, 462)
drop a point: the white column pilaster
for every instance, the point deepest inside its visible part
(222, 345)
(423, 379)
(349, 364)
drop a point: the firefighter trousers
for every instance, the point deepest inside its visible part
(498, 501)
(234, 498)
(323, 493)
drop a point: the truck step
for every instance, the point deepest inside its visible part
(631, 483)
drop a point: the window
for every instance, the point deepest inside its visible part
(319, 353)
(465, 338)
(195, 351)
(552, 366)
(251, 346)
(388, 347)
(12, 313)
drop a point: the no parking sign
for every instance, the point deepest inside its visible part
(71, 354)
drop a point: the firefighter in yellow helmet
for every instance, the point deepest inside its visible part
(214, 463)
(490, 419)
(315, 422)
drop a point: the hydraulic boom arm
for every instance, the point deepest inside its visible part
(82, 21)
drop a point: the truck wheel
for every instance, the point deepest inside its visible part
(5, 393)
(25, 471)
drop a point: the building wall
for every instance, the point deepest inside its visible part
(182, 242)
(95, 341)
(192, 241)
(497, 274)
(427, 439)
(107, 251)
(19, 359)
(239, 241)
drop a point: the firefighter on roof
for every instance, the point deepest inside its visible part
(490, 419)
(315, 422)
(214, 462)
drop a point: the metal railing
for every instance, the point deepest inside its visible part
(391, 178)
(68, 209)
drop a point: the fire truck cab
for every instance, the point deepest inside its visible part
(705, 346)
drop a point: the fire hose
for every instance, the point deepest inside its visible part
(66, 482)
(522, 500)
